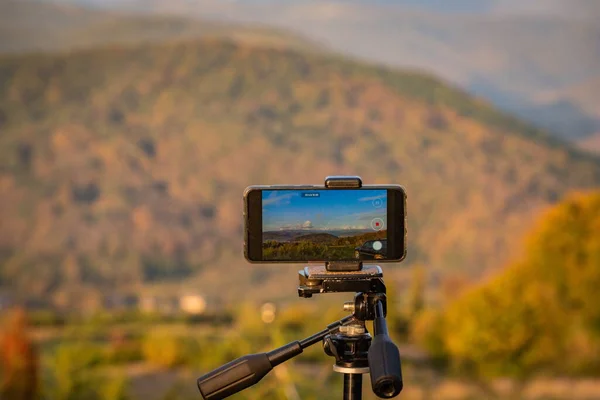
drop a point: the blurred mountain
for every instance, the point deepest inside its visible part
(507, 51)
(591, 143)
(584, 94)
(29, 26)
(124, 166)
(560, 8)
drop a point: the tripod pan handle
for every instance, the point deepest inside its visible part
(244, 372)
(384, 359)
(234, 376)
(384, 363)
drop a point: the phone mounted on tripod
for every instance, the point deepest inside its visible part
(355, 351)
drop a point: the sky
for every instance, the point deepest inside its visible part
(330, 210)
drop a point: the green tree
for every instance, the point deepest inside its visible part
(72, 375)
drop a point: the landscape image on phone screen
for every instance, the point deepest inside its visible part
(306, 225)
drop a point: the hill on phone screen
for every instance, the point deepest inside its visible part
(317, 237)
(299, 236)
(312, 246)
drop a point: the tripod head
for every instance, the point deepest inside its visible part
(347, 340)
(317, 279)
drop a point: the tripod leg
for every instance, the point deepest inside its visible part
(352, 386)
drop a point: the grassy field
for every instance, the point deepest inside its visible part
(306, 251)
(162, 360)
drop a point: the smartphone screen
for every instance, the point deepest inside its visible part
(291, 225)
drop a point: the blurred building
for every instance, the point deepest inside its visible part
(189, 303)
(79, 299)
(192, 304)
(156, 304)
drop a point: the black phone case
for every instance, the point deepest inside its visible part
(314, 187)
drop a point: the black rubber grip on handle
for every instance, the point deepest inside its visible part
(384, 359)
(384, 363)
(234, 376)
(244, 372)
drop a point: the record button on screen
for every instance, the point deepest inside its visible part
(377, 224)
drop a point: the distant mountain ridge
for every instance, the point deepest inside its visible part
(125, 166)
(316, 238)
(28, 26)
(591, 144)
(508, 51)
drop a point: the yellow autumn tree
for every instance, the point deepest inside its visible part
(541, 314)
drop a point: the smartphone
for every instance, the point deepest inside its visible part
(290, 224)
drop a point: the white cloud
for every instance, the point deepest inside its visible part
(369, 215)
(278, 199)
(371, 198)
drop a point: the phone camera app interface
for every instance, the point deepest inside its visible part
(324, 224)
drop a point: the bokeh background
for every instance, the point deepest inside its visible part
(129, 129)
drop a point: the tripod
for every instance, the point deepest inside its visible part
(347, 340)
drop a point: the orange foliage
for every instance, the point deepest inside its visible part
(19, 360)
(541, 313)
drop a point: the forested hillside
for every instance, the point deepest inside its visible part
(529, 59)
(122, 166)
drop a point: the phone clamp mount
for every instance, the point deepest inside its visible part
(347, 340)
(343, 182)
